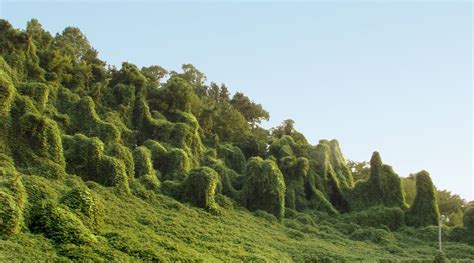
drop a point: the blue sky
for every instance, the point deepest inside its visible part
(393, 77)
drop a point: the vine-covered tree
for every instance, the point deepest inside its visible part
(252, 112)
(360, 170)
(424, 210)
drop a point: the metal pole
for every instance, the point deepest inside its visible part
(439, 232)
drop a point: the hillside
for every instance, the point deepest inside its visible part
(106, 164)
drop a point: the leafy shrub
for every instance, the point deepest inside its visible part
(429, 233)
(132, 247)
(38, 189)
(150, 181)
(295, 234)
(373, 235)
(79, 253)
(347, 228)
(440, 257)
(86, 206)
(171, 188)
(290, 213)
(58, 224)
(10, 215)
(394, 249)
(268, 217)
(225, 202)
(379, 216)
(305, 219)
(12, 198)
(462, 234)
(121, 97)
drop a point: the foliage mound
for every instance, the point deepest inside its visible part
(424, 210)
(59, 224)
(199, 188)
(265, 187)
(85, 157)
(383, 187)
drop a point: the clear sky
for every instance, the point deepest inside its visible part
(393, 77)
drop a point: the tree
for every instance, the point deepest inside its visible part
(191, 74)
(41, 38)
(214, 94)
(360, 170)
(451, 205)
(229, 124)
(19, 51)
(86, 68)
(252, 112)
(154, 74)
(468, 218)
(255, 144)
(376, 177)
(287, 127)
(129, 74)
(177, 94)
(409, 185)
(74, 43)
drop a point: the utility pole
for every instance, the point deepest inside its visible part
(442, 219)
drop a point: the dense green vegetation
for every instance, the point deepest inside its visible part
(106, 164)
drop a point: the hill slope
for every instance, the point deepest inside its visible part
(157, 227)
(103, 164)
